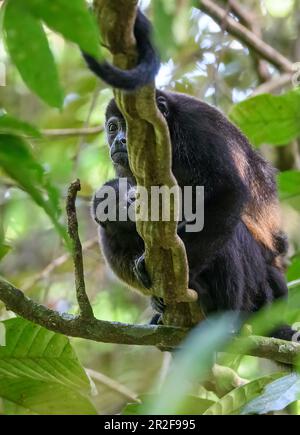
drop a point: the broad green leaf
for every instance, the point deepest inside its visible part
(11, 408)
(70, 18)
(10, 125)
(236, 399)
(191, 405)
(269, 119)
(46, 398)
(193, 362)
(276, 396)
(289, 184)
(29, 50)
(19, 164)
(39, 371)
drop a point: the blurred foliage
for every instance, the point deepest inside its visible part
(277, 396)
(36, 168)
(232, 402)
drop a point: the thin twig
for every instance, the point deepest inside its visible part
(70, 132)
(57, 262)
(81, 139)
(113, 385)
(86, 310)
(274, 84)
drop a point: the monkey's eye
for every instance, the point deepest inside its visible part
(112, 127)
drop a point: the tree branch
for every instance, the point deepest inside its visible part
(165, 337)
(149, 149)
(89, 328)
(274, 84)
(250, 20)
(245, 35)
(70, 132)
(86, 310)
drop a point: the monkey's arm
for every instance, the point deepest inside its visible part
(147, 65)
(121, 250)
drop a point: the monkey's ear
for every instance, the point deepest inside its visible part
(162, 104)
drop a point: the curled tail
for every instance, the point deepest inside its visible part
(147, 66)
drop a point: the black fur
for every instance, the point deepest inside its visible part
(147, 65)
(229, 267)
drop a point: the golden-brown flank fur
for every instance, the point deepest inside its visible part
(262, 213)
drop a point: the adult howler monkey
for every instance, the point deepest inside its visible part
(236, 261)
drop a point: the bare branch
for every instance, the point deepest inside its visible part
(246, 36)
(114, 385)
(86, 310)
(274, 84)
(144, 335)
(89, 328)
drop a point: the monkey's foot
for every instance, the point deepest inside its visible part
(158, 304)
(156, 319)
(141, 273)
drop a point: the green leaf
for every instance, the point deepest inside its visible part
(293, 273)
(29, 50)
(233, 401)
(19, 164)
(4, 250)
(191, 405)
(269, 119)
(39, 371)
(11, 408)
(70, 18)
(289, 184)
(277, 396)
(10, 125)
(47, 398)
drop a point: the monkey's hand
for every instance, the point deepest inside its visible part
(141, 273)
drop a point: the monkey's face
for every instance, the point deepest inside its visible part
(115, 128)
